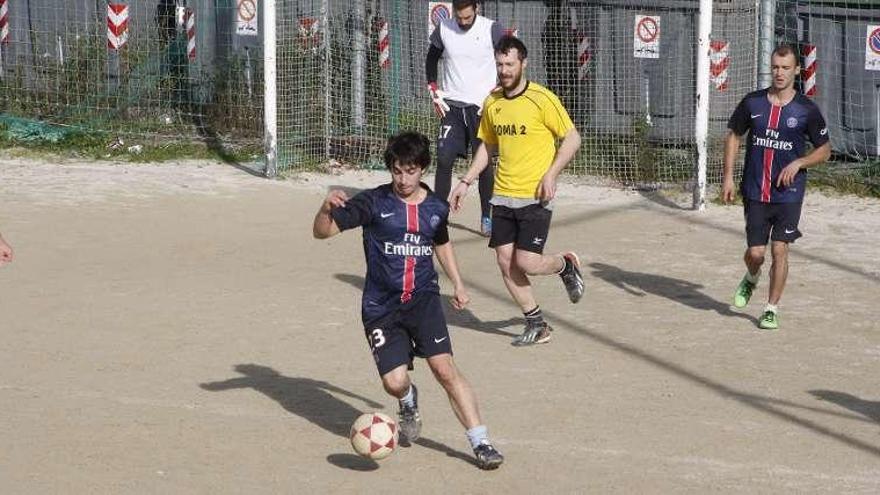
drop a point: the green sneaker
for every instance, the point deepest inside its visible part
(769, 321)
(743, 293)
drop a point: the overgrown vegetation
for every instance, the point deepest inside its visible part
(157, 104)
(93, 144)
(842, 177)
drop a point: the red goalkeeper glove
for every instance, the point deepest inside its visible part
(437, 97)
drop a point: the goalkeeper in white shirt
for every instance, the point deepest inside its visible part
(466, 45)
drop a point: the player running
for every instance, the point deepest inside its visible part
(404, 224)
(779, 121)
(466, 46)
(521, 121)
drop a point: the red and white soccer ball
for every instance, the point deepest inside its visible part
(374, 435)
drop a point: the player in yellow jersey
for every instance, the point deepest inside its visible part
(521, 122)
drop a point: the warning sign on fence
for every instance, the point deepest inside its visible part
(646, 36)
(872, 48)
(437, 11)
(246, 18)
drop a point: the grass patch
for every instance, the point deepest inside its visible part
(861, 179)
(103, 145)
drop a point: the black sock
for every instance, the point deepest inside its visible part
(534, 318)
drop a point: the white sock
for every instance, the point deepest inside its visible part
(408, 399)
(753, 278)
(477, 435)
(770, 307)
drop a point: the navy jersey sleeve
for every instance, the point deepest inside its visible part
(435, 51)
(431, 62)
(357, 212)
(436, 39)
(441, 235)
(817, 130)
(740, 121)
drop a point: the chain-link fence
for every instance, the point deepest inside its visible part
(153, 70)
(352, 72)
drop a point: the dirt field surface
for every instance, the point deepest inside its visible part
(175, 329)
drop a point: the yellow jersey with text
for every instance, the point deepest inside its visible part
(525, 129)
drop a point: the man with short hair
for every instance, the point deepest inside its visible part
(465, 44)
(779, 122)
(404, 225)
(522, 121)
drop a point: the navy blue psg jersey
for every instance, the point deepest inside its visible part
(399, 240)
(777, 137)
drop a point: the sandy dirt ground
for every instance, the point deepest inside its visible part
(175, 329)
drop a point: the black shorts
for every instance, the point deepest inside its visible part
(776, 221)
(526, 227)
(458, 132)
(415, 329)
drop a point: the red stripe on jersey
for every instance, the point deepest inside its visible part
(409, 279)
(765, 177)
(767, 173)
(773, 121)
(409, 264)
(412, 219)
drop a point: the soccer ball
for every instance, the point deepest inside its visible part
(374, 435)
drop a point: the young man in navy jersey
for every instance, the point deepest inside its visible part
(779, 122)
(404, 225)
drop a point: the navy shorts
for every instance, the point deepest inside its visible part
(415, 329)
(771, 221)
(458, 131)
(526, 227)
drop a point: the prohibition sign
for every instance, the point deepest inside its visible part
(247, 10)
(438, 13)
(647, 30)
(874, 41)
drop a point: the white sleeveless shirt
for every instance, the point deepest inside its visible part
(469, 72)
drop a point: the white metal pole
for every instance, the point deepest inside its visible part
(358, 65)
(756, 48)
(701, 122)
(766, 41)
(270, 91)
(328, 60)
(248, 74)
(60, 49)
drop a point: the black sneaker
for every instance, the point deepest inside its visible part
(410, 421)
(571, 277)
(487, 457)
(539, 334)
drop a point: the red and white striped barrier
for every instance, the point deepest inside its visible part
(117, 25)
(309, 33)
(719, 61)
(809, 72)
(4, 22)
(189, 20)
(384, 45)
(585, 54)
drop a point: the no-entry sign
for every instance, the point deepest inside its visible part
(872, 48)
(646, 36)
